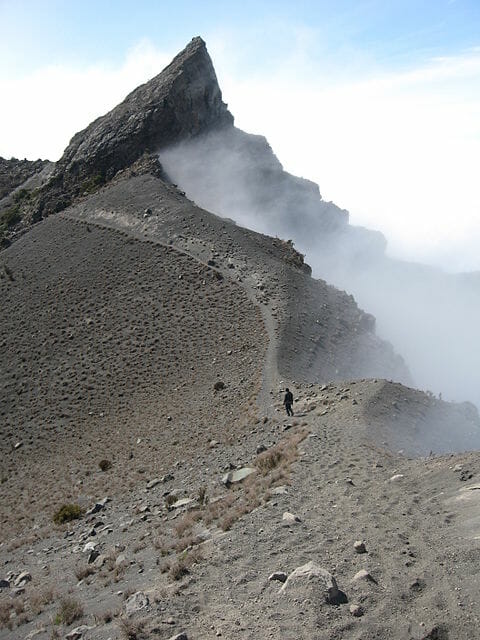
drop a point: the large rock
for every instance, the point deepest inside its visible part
(180, 102)
(311, 575)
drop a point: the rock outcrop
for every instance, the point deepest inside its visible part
(180, 102)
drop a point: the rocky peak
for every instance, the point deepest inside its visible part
(180, 102)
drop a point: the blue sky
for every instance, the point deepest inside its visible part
(35, 32)
(377, 101)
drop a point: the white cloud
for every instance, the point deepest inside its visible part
(399, 150)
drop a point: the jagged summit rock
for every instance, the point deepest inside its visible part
(180, 102)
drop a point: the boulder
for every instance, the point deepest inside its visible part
(237, 476)
(311, 575)
(135, 603)
(290, 518)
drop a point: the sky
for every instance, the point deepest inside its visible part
(378, 101)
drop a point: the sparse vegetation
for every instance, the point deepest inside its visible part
(21, 195)
(131, 629)
(219, 385)
(202, 497)
(39, 599)
(68, 512)
(93, 183)
(170, 499)
(10, 216)
(182, 564)
(70, 610)
(84, 571)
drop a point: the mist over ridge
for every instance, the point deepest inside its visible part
(429, 316)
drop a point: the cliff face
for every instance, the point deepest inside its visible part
(182, 101)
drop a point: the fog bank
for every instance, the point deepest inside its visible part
(430, 317)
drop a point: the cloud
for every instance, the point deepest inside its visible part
(399, 149)
(41, 111)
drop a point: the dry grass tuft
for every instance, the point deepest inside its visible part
(70, 610)
(84, 571)
(186, 523)
(39, 599)
(131, 629)
(181, 566)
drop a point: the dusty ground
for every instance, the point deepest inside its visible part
(416, 517)
(120, 315)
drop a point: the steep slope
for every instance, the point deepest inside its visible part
(428, 315)
(147, 344)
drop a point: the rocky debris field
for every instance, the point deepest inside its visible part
(320, 533)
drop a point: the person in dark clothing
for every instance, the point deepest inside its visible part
(288, 401)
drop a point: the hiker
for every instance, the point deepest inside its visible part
(288, 401)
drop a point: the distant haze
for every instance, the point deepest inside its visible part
(430, 317)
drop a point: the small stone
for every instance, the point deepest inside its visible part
(356, 610)
(183, 502)
(363, 575)
(144, 508)
(4, 584)
(153, 483)
(98, 506)
(397, 477)
(290, 518)
(261, 448)
(279, 491)
(457, 468)
(359, 546)
(179, 636)
(22, 579)
(281, 576)
(18, 445)
(237, 476)
(92, 556)
(78, 632)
